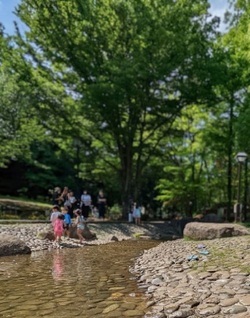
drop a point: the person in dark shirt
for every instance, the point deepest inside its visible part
(56, 196)
(102, 203)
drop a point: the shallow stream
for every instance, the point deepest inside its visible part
(93, 281)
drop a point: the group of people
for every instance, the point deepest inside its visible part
(61, 222)
(66, 198)
(67, 206)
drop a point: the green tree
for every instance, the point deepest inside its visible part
(118, 73)
(18, 123)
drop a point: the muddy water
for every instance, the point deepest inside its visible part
(89, 282)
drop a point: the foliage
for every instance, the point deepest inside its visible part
(18, 128)
(19, 125)
(121, 72)
(116, 95)
(6, 216)
(115, 212)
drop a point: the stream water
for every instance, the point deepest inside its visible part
(88, 282)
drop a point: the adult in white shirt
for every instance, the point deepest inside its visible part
(86, 202)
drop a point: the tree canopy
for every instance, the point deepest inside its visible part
(144, 96)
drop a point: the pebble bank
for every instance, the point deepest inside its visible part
(181, 279)
(106, 232)
(197, 279)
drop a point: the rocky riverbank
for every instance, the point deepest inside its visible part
(182, 278)
(197, 279)
(33, 234)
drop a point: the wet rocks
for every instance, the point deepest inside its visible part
(87, 234)
(41, 237)
(35, 237)
(213, 285)
(11, 245)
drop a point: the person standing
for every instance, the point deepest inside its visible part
(64, 195)
(102, 203)
(137, 214)
(58, 228)
(67, 221)
(80, 224)
(56, 196)
(86, 202)
(70, 203)
(54, 215)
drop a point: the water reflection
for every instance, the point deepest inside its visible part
(57, 270)
(89, 282)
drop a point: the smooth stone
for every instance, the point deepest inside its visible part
(209, 311)
(169, 309)
(156, 281)
(93, 312)
(152, 288)
(27, 307)
(245, 300)
(114, 314)
(185, 313)
(133, 313)
(116, 288)
(110, 308)
(229, 302)
(212, 300)
(236, 309)
(128, 306)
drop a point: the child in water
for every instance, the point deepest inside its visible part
(67, 221)
(80, 224)
(58, 228)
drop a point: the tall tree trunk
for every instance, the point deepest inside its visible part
(126, 158)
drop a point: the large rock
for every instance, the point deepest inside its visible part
(10, 245)
(87, 234)
(209, 231)
(49, 235)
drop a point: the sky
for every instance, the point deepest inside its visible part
(7, 17)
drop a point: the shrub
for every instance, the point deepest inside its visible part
(115, 212)
(36, 216)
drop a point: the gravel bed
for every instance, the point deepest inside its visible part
(106, 232)
(196, 279)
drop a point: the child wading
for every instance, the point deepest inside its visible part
(80, 224)
(54, 214)
(58, 228)
(67, 221)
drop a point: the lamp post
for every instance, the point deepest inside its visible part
(241, 158)
(245, 191)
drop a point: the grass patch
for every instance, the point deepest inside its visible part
(188, 239)
(11, 217)
(12, 208)
(137, 235)
(22, 200)
(223, 260)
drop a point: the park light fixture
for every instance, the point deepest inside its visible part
(241, 157)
